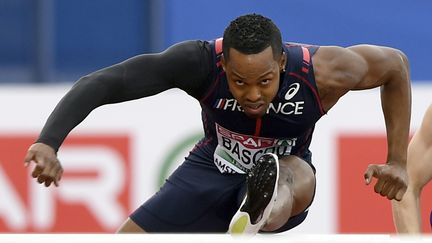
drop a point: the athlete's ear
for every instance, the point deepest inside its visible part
(223, 62)
(282, 62)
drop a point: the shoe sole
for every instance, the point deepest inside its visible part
(241, 222)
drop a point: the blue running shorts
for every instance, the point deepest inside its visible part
(197, 198)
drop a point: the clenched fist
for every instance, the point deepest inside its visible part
(392, 180)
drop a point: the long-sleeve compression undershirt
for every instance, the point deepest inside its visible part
(186, 65)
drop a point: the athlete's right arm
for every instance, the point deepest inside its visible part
(186, 65)
(406, 213)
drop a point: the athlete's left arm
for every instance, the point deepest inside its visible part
(388, 69)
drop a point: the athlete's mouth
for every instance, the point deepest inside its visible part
(254, 108)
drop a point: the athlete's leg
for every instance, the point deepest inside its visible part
(130, 226)
(271, 201)
(296, 189)
(195, 198)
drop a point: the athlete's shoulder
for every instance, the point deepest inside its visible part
(217, 45)
(294, 44)
(190, 48)
(308, 49)
(367, 52)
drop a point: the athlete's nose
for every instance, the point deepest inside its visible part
(253, 94)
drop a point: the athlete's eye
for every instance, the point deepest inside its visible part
(265, 81)
(239, 82)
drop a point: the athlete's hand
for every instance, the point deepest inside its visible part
(48, 168)
(392, 180)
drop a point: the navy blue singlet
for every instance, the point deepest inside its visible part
(235, 141)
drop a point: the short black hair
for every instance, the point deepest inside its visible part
(251, 34)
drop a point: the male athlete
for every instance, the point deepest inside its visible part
(260, 100)
(406, 213)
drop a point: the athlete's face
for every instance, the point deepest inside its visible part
(253, 79)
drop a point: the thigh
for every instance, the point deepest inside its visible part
(194, 199)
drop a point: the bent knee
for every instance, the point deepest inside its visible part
(292, 222)
(303, 194)
(303, 182)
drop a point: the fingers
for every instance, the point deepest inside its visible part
(51, 174)
(54, 175)
(391, 182)
(397, 190)
(379, 186)
(28, 158)
(390, 189)
(386, 189)
(48, 169)
(37, 171)
(48, 174)
(391, 194)
(58, 177)
(371, 171)
(400, 193)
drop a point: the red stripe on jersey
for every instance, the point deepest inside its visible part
(258, 127)
(218, 46)
(306, 55)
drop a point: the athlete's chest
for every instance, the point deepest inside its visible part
(290, 114)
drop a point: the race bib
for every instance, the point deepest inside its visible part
(237, 153)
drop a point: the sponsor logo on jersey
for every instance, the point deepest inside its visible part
(237, 153)
(292, 91)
